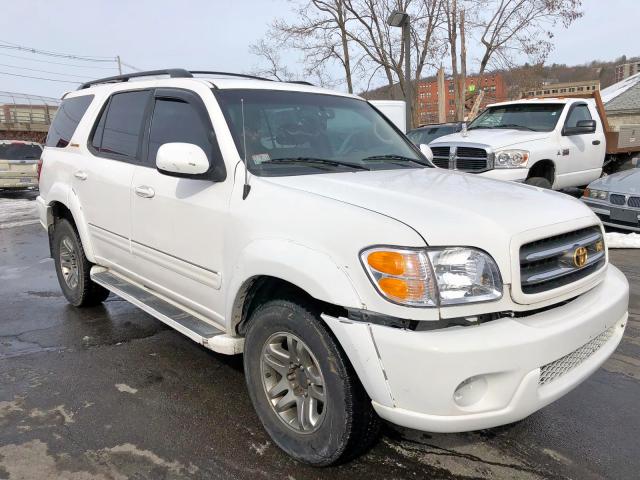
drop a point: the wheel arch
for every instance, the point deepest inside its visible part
(69, 208)
(545, 168)
(272, 268)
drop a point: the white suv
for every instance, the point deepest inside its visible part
(359, 281)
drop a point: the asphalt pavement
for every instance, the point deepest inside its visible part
(111, 393)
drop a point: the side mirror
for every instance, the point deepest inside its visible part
(426, 151)
(181, 159)
(583, 126)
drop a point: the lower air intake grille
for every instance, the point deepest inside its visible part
(552, 371)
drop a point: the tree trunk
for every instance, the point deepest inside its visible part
(345, 46)
(462, 84)
(453, 37)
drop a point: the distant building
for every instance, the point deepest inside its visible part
(26, 117)
(626, 70)
(427, 95)
(562, 89)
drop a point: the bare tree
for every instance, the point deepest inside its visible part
(511, 27)
(272, 63)
(451, 13)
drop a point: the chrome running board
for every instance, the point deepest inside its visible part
(167, 312)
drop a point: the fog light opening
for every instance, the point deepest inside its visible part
(470, 391)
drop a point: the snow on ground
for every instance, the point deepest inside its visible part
(18, 208)
(622, 240)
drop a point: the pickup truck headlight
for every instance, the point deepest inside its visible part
(511, 158)
(433, 277)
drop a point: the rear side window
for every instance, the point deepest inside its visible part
(177, 121)
(119, 129)
(66, 120)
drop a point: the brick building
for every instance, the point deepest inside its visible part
(427, 95)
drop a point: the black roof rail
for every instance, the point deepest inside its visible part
(230, 74)
(177, 73)
(172, 72)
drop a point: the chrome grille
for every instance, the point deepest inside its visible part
(556, 369)
(466, 159)
(552, 262)
(617, 199)
(634, 202)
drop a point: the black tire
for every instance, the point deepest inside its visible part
(538, 182)
(349, 425)
(83, 292)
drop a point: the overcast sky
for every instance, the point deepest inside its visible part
(215, 35)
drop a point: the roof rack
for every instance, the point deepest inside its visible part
(177, 73)
(172, 72)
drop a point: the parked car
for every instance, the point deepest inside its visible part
(616, 199)
(19, 164)
(296, 225)
(551, 143)
(426, 134)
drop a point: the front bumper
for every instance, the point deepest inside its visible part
(411, 376)
(507, 174)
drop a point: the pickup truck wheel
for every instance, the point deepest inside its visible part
(73, 267)
(538, 182)
(303, 387)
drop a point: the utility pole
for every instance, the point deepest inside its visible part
(119, 65)
(402, 19)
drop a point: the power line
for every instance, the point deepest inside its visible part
(57, 63)
(42, 71)
(13, 46)
(39, 78)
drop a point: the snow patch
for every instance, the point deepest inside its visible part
(622, 240)
(611, 92)
(123, 387)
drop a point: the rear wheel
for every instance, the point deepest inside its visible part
(538, 182)
(73, 268)
(303, 387)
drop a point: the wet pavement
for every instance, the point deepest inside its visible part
(111, 393)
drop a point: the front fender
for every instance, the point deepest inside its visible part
(313, 271)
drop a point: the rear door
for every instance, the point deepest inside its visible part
(102, 178)
(178, 223)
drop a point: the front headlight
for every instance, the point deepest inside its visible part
(433, 277)
(511, 158)
(597, 194)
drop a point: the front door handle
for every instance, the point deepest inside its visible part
(80, 175)
(596, 142)
(145, 192)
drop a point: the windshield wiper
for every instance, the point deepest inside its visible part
(396, 158)
(515, 125)
(320, 161)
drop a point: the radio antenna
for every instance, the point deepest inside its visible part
(246, 188)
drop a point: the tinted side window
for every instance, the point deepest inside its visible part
(66, 121)
(120, 125)
(580, 112)
(177, 121)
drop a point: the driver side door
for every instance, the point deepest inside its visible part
(178, 222)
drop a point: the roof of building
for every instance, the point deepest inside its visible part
(624, 95)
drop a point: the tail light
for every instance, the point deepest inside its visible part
(39, 169)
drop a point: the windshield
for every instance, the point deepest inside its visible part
(537, 117)
(19, 151)
(298, 133)
(427, 135)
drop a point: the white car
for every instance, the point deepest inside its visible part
(551, 143)
(359, 281)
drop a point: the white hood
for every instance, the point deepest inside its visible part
(495, 138)
(448, 208)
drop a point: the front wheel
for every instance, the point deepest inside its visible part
(303, 387)
(73, 268)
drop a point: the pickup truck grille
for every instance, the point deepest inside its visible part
(557, 261)
(466, 159)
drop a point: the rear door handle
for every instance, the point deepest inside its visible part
(80, 175)
(145, 191)
(596, 142)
